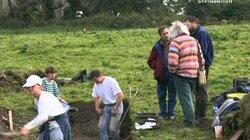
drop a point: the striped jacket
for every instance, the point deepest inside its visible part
(183, 56)
(51, 87)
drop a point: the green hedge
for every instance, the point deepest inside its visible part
(103, 20)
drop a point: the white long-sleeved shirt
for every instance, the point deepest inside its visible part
(48, 107)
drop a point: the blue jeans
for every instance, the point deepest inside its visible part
(109, 123)
(162, 87)
(55, 134)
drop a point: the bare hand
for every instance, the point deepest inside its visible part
(115, 112)
(24, 131)
(99, 110)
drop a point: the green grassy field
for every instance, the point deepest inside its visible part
(121, 54)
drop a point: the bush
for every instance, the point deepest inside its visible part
(25, 13)
(133, 20)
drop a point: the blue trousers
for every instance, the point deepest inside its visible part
(164, 87)
(55, 134)
(109, 123)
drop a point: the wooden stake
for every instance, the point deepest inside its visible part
(11, 121)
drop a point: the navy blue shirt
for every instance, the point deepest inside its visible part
(202, 35)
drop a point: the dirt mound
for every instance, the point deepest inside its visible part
(13, 80)
(18, 119)
(127, 124)
(84, 121)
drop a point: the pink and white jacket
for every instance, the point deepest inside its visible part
(183, 56)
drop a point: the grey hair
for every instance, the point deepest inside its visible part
(177, 29)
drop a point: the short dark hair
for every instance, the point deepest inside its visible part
(192, 19)
(161, 28)
(95, 73)
(50, 70)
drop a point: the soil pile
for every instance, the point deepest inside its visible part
(18, 119)
(13, 80)
(84, 122)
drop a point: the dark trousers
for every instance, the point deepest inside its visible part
(185, 88)
(201, 97)
(162, 88)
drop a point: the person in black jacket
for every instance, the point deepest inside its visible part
(201, 34)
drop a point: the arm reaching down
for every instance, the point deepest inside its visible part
(97, 105)
(38, 120)
(119, 98)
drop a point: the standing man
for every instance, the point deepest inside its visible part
(107, 90)
(51, 118)
(200, 33)
(183, 63)
(159, 63)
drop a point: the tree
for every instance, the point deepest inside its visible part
(7, 6)
(59, 6)
(47, 6)
(211, 12)
(238, 10)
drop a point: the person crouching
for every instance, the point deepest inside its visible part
(52, 117)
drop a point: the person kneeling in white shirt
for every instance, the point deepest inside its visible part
(52, 117)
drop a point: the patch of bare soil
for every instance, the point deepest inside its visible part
(18, 119)
(83, 122)
(13, 80)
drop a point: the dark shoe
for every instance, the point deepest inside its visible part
(188, 124)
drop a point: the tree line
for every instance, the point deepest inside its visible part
(30, 11)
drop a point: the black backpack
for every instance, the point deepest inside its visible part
(240, 85)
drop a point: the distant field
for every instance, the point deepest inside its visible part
(121, 54)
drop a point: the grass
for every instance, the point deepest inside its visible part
(121, 54)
